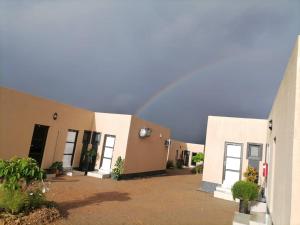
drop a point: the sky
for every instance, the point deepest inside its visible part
(171, 62)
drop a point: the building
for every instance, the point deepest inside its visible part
(50, 131)
(185, 151)
(234, 143)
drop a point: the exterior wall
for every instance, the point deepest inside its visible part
(176, 145)
(227, 129)
(112, 124)
(284, 181)
(181, 146)
(147, 154)
(19, 113)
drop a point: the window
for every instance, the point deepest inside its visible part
(70, 148)
(107, 155)
(254, 151)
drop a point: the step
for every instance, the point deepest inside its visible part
(224, 193)
(99, 174)
(224, 190)
(251, 219)
(258, 207)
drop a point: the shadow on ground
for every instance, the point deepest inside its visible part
(91, 200)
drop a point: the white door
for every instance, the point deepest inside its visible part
(109, 145)
(232, 164)
(69, 148)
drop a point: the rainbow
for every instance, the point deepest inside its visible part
(174, 84)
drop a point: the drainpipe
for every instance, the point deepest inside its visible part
(169, 146)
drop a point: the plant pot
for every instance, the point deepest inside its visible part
(244, 207)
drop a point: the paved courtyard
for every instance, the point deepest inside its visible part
(164, 200)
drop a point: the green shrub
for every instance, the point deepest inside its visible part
(170, 164)
(198, 158)
(19, 171)
(179, 163)
(13, 201)
(36, 199)
(118, 169)
(245, 190)
(18, 191)
(197, 169)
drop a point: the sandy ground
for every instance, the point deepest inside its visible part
(164, 200)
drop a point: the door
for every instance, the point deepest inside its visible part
(186, 157)
(70, 148)
(254, 155)
(38, 142)
(85, 144)
(109, 144)
(232, 164)
(95, 142)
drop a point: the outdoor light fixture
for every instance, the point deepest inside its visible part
(55, 116)
(270, 124)
(167, 143)
(145, 132)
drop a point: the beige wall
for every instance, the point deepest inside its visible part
(147, 154)
(19, 113)
(113, 124)
(181, 146)
(229, 129)
(284, 177)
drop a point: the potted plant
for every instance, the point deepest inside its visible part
(245, 191)
(170, 164)
(251, 175)
(198, 159)
(87, 159)
(56, 168)
(118, 169)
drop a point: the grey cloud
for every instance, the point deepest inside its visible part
(113, 56)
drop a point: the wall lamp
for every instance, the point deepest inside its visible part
(145, 132)
(55, 116)
(270, 124)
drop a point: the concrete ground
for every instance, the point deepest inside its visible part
(164, 200)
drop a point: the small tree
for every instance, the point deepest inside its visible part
(198, 158)
(118, 169)
(245, 191)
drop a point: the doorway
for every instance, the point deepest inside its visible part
(85, 144)
(109, 144)
(70, 148)
(186, 158)
(232, 164)
(95, 142)
(38, 142)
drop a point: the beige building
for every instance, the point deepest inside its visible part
(234, 143)
(185, 151)
(50, 131)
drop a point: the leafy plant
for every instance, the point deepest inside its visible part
(197, 169)
(198, 158)
(179, 163)
(18, 190)
(57, 166)
(251, 174)
(17, 172)
(118, 169)
(170, 164)
(245, 191)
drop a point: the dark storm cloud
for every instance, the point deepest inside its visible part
(115, 56)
